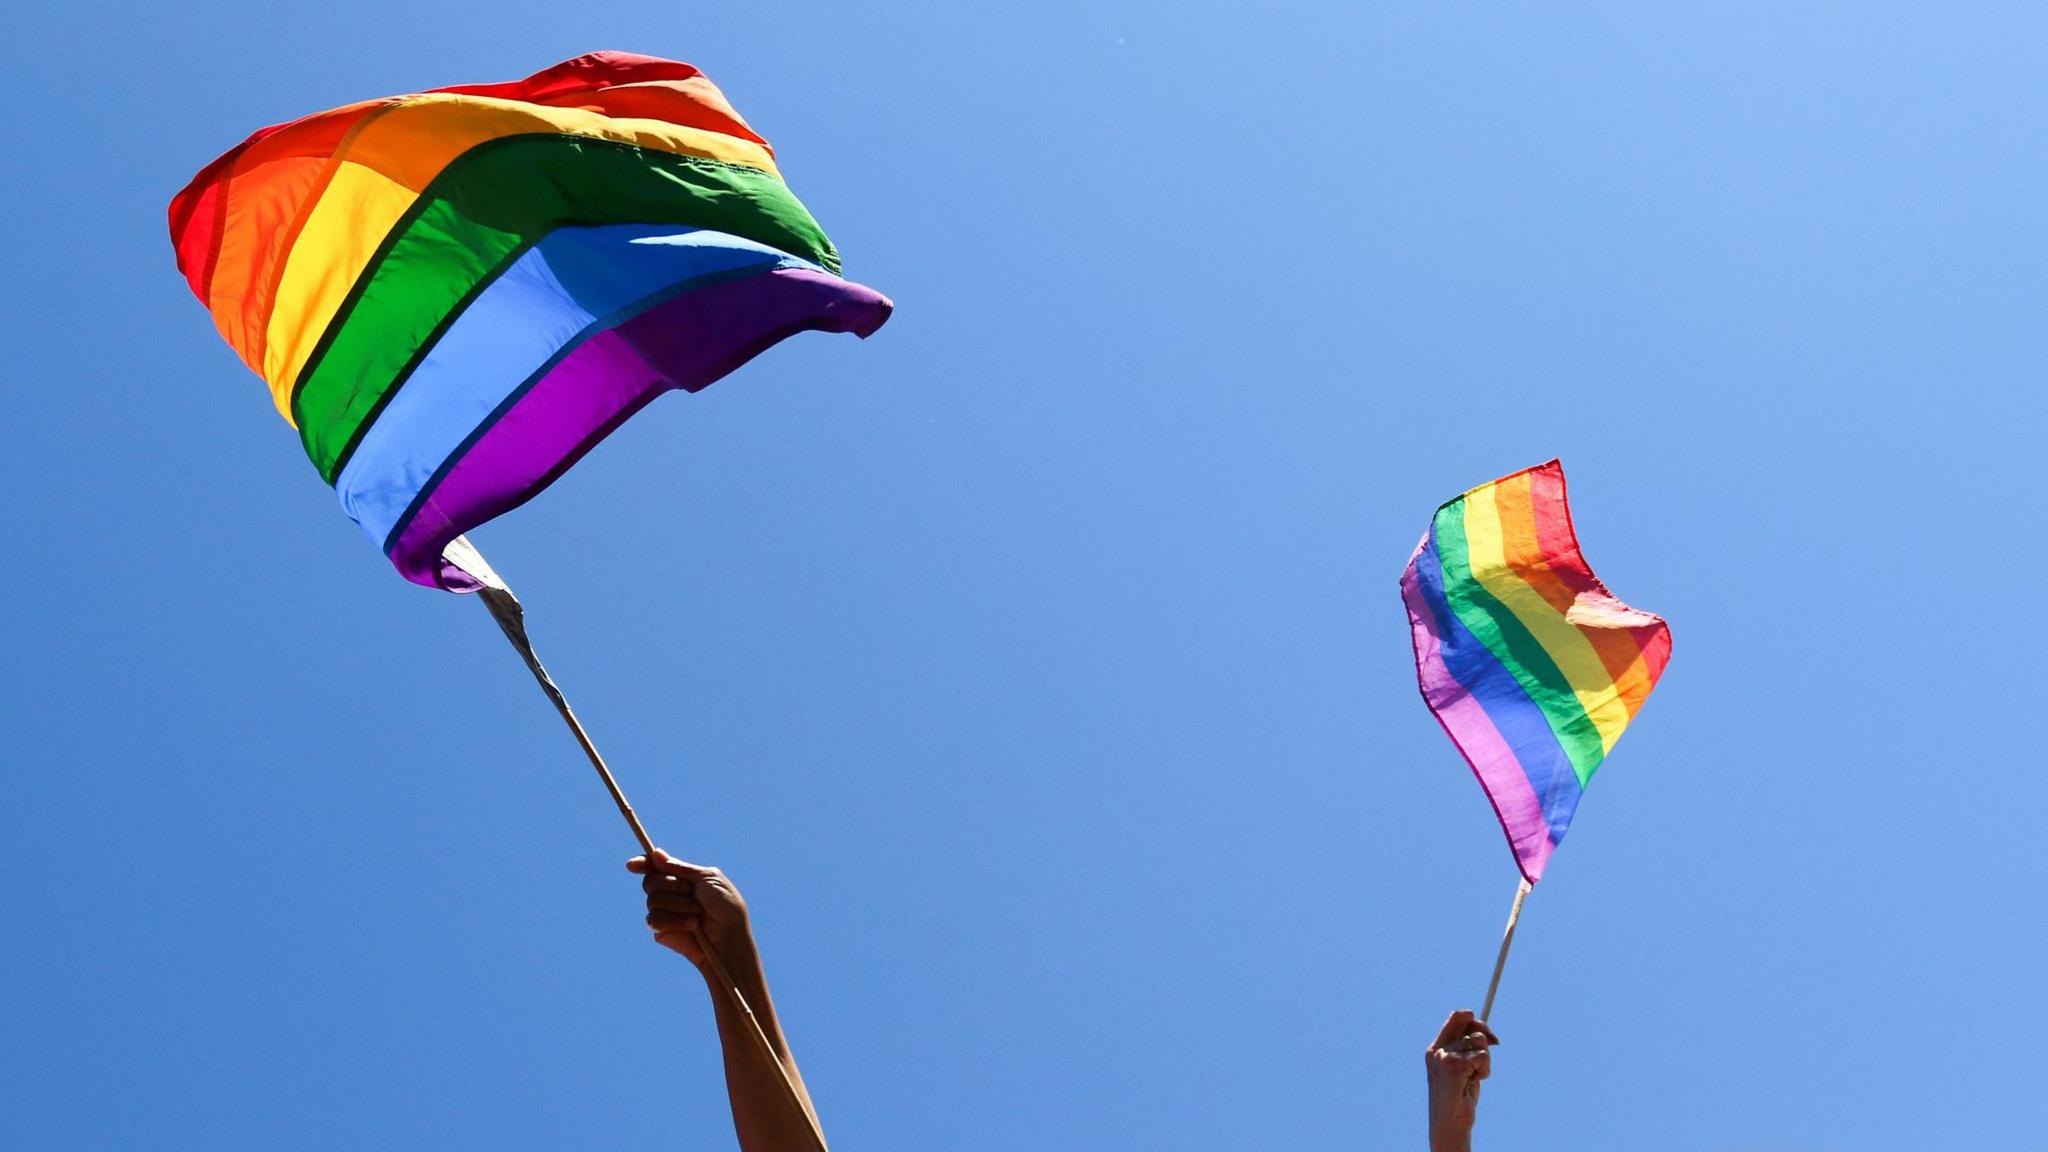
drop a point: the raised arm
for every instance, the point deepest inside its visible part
(685, 901)
(1457, 1060)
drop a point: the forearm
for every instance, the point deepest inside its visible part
(1450, 1118)
(763, 1114)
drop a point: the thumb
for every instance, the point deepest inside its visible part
(1459, 1024)
(666, 865)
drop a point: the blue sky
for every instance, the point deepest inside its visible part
(1037, 667)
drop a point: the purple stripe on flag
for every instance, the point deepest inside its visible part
(687, 343)
(1469, 727)
(1530, 757)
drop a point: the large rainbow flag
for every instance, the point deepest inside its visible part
(454, 294)
(1529, 662)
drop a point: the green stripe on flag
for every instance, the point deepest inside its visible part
(484, 210)
(1515, 647)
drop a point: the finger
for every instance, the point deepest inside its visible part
(662, 882)
(669, 865)
(637, 865)
(1482, 1066)
(678, 902)
(1459, 1024)
(657, 882)
(1483, 1026)
(1473, 1041)
(671, 922)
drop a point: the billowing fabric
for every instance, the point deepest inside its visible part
(1532, 666)
(455, 294)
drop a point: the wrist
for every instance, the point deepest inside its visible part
(734, 950)
(1449, 1132)
(1443, 1140)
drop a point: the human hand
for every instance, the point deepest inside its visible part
(1457, 1061)
(689, 905)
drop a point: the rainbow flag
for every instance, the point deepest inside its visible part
(455, 294)
(1529, 662)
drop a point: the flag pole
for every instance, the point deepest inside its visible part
(1507, 939)
(511, 617)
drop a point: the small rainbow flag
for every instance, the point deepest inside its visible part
(1532, 666)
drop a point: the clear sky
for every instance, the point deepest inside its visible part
(1038, 667)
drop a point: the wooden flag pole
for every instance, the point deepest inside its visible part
(511, 618)
(1507, 939)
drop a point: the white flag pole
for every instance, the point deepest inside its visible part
(511, 617)
(1507, 939)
